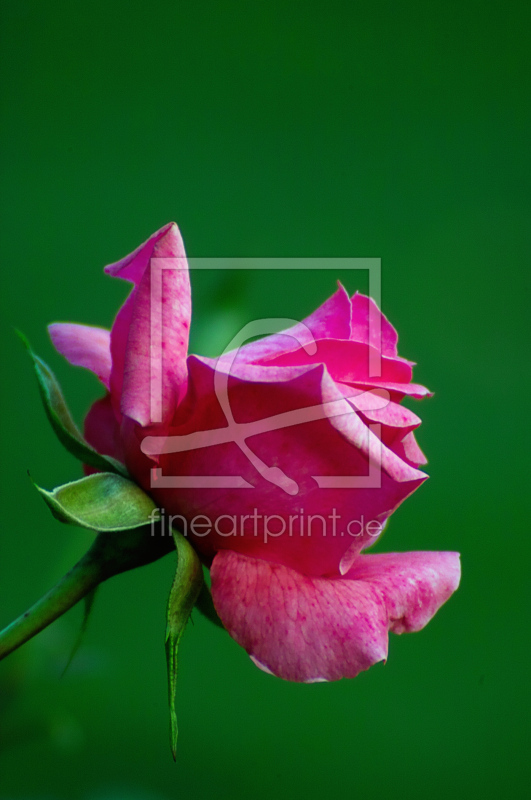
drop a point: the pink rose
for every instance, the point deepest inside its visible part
(280, 461)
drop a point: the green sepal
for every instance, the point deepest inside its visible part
(61, 420)
(102, 502)
(183, 595)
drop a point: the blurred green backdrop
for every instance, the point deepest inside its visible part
(398, 130)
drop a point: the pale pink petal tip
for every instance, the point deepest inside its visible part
(261, 666)
(84, 346)
(268, 671)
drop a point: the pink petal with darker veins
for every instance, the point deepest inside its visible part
(146, 394)
(84, 346)
(297, 627)
(311, 629)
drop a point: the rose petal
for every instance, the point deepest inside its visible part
(331, 319)
(335, 447)
(396, 421)
(370, 326)
(375, 405)
(84, 346)
(408, 449)
(391, 414)
(397, 390)
(102, 430)
(310, 629)
(348, 362)
(119, 334)
(146, 394)
(132, 267)
(365, 438)
(413, 585)
(297, 627)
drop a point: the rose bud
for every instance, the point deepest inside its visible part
(280, 462)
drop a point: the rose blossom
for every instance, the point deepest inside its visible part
(304, 601)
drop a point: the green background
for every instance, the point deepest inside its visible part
(395, 130)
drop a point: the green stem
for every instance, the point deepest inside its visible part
(75, 585)
(109, 555)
